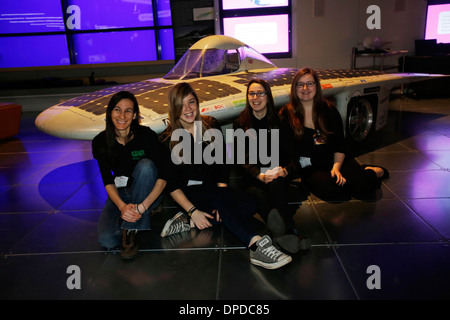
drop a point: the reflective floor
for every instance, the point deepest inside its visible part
(393, 247)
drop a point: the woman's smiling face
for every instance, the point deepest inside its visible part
(257, 103)
(122, 115)
(306, 88)
(190, 109)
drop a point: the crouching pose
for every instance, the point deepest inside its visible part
(200, 186)
(133, 168)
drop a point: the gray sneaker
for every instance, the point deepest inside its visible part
(179, 223)
(267, 256)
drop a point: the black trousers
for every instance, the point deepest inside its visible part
(360, 183)
(272, 195)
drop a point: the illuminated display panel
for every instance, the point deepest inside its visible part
(167, 44)
(110, 14)
(265, 25)
(30, 16)
(112, 47)
(33, 51)
(252, 4)
(266, 34)
(99, 31)
(438, 23)
(164, 12)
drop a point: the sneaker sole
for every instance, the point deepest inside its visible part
(168, 223)
(271, 266)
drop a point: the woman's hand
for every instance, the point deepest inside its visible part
(129, 213)
(340, 180)
(200, 219)
(272, 174)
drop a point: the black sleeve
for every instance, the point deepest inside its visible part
(252, 169)
(289, 156)
(160, 154)
(99, 153)
(337, 139)
(222, 170)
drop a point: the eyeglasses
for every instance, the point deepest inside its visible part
(309, 84)
(258, 94)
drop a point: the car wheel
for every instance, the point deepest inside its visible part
(360, 119)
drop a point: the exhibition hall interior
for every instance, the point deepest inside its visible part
(392, 245)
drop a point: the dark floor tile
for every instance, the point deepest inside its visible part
(78, 172)
(399, 161)
(22, 159)
(420, 184)
(154, 275)
(315, 274)
(88, 196)
(10, 176)
(425, 142)
(14, 200)
(15, 226)
(385, 221)
(62, 232)
(441, 158)
(435, 212)
(45, 277)
(405, 271)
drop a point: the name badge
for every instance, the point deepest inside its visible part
(121, 181)
(305, 162)
(194, 182)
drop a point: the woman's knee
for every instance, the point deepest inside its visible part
(145, 168)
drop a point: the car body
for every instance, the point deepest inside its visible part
(219, 69)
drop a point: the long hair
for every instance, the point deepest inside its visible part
(110, 129)
(176, 95)
(245, 118)
(294, 111)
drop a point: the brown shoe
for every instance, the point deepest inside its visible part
(130, 245)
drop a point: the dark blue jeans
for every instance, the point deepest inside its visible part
(110, 224)
(235, 210)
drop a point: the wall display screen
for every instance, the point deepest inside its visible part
(266, 34)
(29, 16)
(438, 23)
(252, 4)
(33, 51)
(264, 25)
(96, 48)
(164, 16)
(109, 14)
(89, 32)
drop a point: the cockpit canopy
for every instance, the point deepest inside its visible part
(216, 55)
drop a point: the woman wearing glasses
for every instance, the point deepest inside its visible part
(267, 183)
(318, 144)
